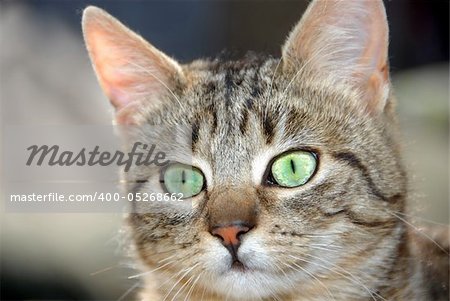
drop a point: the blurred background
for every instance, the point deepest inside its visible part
(46, 79)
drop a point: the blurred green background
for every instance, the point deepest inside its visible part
(46, 78)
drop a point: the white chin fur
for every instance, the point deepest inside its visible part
(245, 285)
(255, 282)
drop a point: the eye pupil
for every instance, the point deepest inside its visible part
(183, 177)
(293, 166)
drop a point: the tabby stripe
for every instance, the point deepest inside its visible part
(214, 117)
(211, 110)
(134, 190)
(195, 133)
(371, 224)
(356, 220)
(354, 162)
(244, 121)
(268, 126)
(210, 88)
(249, 103)
(256, 90)
(402, 251)
(228, 86)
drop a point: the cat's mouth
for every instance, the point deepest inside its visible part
(238, 266)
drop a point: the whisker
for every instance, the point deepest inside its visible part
(272, 291)
(312, 276)
(273, 77)
(158, 79)
(320, 247)
(191, 290)
(309, 61)
(302, 68)
(182, 287)
(420, 218)
(104, 270)
(326, 235)
(164, 252)
(203, 293)
(167, 258)
(355, 280)
(128, 291)
(284, 273)
(186, 271)
(151, 271)
(419, 231)
(172, 277)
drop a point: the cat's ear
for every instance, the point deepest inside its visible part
(345, 41)
(129, 69)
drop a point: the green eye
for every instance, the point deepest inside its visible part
(293, 169)
(184, 179)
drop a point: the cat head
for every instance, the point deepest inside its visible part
(294, 173)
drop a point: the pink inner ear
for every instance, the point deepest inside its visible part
(125, 116)
(109, 62)
(129, 69)
(346, 40)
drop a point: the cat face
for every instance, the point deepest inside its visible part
(294, 164)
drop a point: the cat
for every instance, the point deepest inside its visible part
(295, 189)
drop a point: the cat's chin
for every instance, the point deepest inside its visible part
(252, 277)
(243, 283)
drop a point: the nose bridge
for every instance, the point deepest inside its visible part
(231, 172)
(232, 156)
(231, 205)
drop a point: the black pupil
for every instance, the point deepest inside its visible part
(183, 176)
(293, 166)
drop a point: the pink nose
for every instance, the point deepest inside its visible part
(230, 235)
